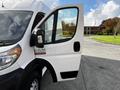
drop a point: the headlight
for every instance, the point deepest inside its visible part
(9, 57)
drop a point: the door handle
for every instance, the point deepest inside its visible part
(76, 46)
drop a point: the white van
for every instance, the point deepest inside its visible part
(33, 41)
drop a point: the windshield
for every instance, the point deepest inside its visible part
(13, 25)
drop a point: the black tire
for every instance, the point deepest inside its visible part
(28, 79)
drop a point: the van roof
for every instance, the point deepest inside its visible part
(31, 6)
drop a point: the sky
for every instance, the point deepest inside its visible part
(95, 11)
(102, 11)
(88, 4)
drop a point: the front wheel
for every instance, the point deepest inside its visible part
(31, 82)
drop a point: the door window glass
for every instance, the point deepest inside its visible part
(47, 26)
(66, 23)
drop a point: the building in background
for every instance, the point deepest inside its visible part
(91, 30)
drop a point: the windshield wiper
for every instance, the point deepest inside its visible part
(4, 43)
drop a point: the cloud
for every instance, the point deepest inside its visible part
(51, 3)
(107, 10)
(25, 3)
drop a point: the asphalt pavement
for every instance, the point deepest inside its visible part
(97, 49)
(99, 69)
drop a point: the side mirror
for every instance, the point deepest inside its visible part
(37, 39)
(40, 39)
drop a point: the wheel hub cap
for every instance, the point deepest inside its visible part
(34, 85)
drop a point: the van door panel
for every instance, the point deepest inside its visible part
(63, 40)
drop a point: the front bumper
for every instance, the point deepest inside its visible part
(10, 81)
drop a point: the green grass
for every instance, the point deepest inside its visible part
(107, 39)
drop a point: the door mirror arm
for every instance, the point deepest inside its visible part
(32, 40)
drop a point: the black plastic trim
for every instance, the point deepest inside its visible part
(54, 27)
(76, 46)
(39, 16)
(11, 80)
(69, 74)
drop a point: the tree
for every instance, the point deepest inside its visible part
(117, 29)
(109, 26)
